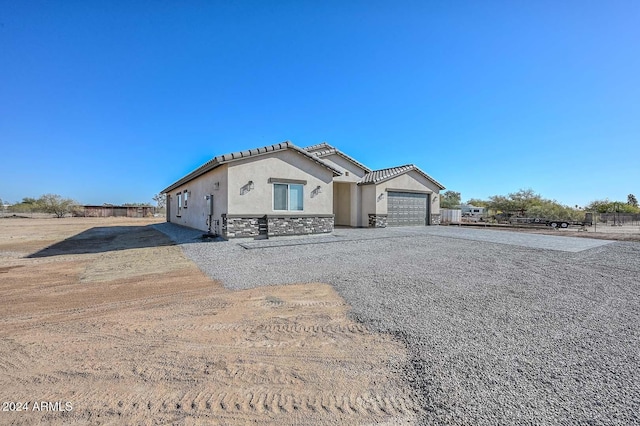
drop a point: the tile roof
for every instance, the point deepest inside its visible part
(321, 145)
(235, 156)
(324, 149)
(378, 176)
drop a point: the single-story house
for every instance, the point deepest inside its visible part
(283, 189)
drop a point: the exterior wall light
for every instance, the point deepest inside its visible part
(246, 188)
(317, 190)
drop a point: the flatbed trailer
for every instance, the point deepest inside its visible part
(554, 223)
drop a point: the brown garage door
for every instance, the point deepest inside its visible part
(407, 209)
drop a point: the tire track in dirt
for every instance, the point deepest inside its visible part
(290, 329)
(139, 347)
(296, 303)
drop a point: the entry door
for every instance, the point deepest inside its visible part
(407, 209)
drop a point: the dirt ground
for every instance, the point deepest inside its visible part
(104, 321)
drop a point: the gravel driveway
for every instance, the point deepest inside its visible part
(510, 329)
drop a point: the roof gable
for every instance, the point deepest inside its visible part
(240, 155)
(382, 175)
(324, 149)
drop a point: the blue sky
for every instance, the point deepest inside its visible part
(110, 102)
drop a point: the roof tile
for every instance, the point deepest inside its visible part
(378, 176)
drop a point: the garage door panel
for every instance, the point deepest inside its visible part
(407, 209)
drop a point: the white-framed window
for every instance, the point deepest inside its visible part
(288, 196)
(186, 198)
(179, 201)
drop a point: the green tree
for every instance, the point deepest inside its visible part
(599, 206)
(526, 202)
(450, 200)
(524, 199)
(606, 206)
(478, 202)
(632, 200)
(55, 204)
(500, 203)
(27, 205)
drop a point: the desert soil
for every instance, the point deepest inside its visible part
(108, 316)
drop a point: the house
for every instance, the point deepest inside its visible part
(283, 189)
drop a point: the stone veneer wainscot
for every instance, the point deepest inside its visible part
(377, 220)
(246, 226)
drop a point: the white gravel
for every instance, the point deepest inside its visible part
(500, 331)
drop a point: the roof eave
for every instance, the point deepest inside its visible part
(193, 175)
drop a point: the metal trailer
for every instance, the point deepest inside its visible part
(554, 223)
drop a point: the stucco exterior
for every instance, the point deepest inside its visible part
(195, 214)
(280, 166)
(342, 203)
(369, 202)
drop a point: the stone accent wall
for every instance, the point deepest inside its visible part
(377, 220)
(249, 226)
(239, 227)
(435, 219)
(286, 225)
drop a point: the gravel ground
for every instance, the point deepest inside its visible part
(500, 332)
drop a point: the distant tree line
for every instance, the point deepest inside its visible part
(526, 202)
(47, 203)
(60, 206)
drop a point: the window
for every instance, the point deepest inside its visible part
(186, 198)
(288, 196)
(179, 198)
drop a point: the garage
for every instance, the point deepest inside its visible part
(407, 209)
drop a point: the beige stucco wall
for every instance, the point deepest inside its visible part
(195, 214)
(342, 203)
(286, 164)
(356, 206)
(344, 166)
(368, 199)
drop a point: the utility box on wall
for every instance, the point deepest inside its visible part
(209, 204)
